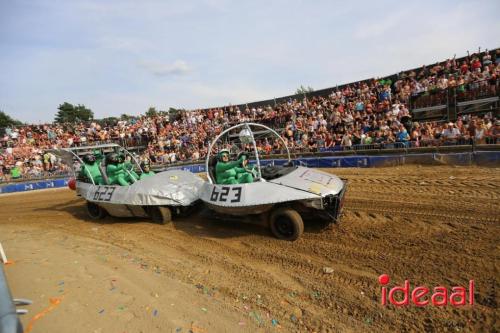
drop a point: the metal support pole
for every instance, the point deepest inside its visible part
(2, 254)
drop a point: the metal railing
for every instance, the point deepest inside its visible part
(429, 99)
(124, 142)
(395, 147)
(478, 97)
(391, 148)
(31, 177)
(402, 146)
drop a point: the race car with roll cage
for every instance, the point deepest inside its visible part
(159, 197)
(280, 194)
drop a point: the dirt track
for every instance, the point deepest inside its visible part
(431, 225)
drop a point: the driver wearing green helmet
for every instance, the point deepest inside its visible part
(147, 172)
(90, 170)
(98, 156)
(117, 173)
(232, 172)
(128, 167)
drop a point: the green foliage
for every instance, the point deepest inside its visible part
(151, 112)
(6, 120)
(173, 114)
(108, 121)
(68, 113)
(303, 90)
(126, 117)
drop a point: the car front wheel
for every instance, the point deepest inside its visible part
(95, 211)
(286, 224)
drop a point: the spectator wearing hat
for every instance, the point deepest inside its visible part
(450, 134)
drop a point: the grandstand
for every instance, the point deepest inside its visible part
(452, 102)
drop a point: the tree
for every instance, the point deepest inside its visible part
(151, 112)
(68, 113)
(173, 114)
(6, 120)
(108, 121)
(126, 117)
(303, 90)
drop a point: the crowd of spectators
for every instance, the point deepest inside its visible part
(371, 112)
(475, 70)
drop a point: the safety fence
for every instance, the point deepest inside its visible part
(482, 158)
(127, 142)
(404, 147)
(486, 158)
(43, 175)
(37, 185)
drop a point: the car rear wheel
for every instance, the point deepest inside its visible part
(286, 224)
(161, 215)
(95, 211)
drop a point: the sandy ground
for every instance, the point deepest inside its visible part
(431, 225)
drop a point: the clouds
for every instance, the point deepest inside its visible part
(177, 68)
(123, 56)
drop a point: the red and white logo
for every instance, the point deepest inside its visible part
(422, 295)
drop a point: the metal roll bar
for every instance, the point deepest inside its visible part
(247, 126)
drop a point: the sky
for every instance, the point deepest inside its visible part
(119, 57)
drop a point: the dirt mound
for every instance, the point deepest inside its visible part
(430, 225)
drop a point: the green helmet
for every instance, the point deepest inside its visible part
(89, 159)
(222, 152)
(112, 158)
(97, 154)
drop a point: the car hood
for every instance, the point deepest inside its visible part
(311, 180)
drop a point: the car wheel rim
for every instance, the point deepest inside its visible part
(284, 226)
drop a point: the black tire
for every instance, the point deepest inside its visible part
(95, 211)
(286, 224)
(161, 215)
